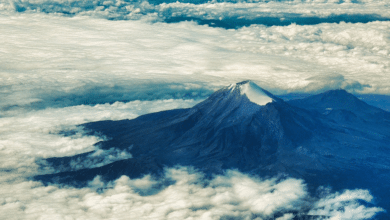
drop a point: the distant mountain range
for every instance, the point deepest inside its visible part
(332, 139)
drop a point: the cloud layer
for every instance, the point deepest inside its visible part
(54, 61)
(187, 195)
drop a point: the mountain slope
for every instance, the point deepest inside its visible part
(343, 103)
(245, 127)
(240, 126)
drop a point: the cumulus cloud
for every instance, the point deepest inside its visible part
(182, 193)
(345, 205)
(332, 81)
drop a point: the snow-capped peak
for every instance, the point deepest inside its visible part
(253, 92)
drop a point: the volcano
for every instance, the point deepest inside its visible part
(332, 139)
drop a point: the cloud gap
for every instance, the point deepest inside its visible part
(224, 14)
(286, 20)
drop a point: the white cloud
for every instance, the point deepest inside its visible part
(49, 60)
(188, 196)
(345, 206)
(98, 158)
(287, 216)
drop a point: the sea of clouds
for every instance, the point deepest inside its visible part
(51, 60)
(64, 63)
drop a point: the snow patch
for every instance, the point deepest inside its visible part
(232, 87)
(255, 94)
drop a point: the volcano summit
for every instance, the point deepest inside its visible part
(331, 139)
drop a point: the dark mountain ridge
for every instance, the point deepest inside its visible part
(341, 101)
(328, 139)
